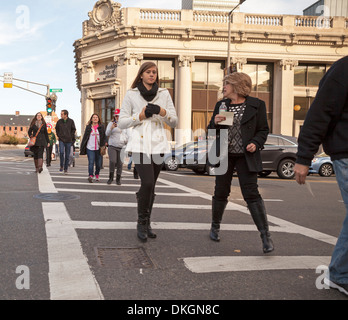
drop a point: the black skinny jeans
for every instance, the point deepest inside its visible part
(38, 152)
(247, 180)
(148, 172)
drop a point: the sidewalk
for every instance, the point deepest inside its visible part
(10, 146)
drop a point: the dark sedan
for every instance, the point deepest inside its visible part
(278, 156)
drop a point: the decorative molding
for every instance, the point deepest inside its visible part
(239, 62)
(185, 61)
(105, 14)
(288, 63)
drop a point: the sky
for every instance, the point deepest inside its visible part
(36, 44)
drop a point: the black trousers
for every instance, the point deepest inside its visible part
(38, 152)
(247, 180)
(148, 172)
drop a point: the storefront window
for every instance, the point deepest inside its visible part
(262, 79)
(207, 82)
(105, 109)
(301, 107)
(309, 75)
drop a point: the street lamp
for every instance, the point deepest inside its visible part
(229, 36)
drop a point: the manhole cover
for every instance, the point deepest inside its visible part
(124, 258)
(56, 197)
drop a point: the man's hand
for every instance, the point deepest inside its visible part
(301, 173)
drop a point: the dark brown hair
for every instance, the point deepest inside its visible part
(145, 66)
(90, 120)
(34, 120)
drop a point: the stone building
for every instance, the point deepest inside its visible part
(285, 55)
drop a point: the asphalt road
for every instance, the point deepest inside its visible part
(80, 242)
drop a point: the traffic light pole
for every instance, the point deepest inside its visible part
(36, 83)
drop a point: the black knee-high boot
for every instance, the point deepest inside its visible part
(143, 217)
(259, 215)
(111, 177)
(150, 233)
(218, 208)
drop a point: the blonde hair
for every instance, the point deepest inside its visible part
(241, 83)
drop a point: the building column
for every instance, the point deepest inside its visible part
(283, 113)
(183, 133)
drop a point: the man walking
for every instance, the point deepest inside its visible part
(52, 141)
(327, 123)
(65, 130)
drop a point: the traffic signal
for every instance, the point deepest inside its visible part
(49, 107)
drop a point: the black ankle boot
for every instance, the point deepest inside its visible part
(218, 208)
(150, 232)
(259, 215)
(118, 180)
(111, 177)
(143, 218)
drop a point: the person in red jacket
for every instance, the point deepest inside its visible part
(327, 123)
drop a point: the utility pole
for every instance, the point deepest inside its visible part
(229, 36)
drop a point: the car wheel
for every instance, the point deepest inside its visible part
(286, 169)
(172, 164)
(264, 174)
(326, 170)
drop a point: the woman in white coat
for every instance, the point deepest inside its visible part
(145, 108)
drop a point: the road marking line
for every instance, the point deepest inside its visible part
(101, 184)
(107, 225)
(156, 205)
(261, 263)
(70, 276)
(123, 192)
(85, 177)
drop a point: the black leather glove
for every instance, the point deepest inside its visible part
(152, 109)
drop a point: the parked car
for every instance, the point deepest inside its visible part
(322, 165)
(28, 152)
(279, 155)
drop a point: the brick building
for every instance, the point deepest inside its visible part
(15, 125)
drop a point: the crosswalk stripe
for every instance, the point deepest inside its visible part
(156, 205)
(124, 192)
(100, 184)
(260, 263)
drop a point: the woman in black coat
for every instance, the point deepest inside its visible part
(42, 141)
(246, 138)
(93, 139)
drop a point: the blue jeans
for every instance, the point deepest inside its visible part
(339, 263)
(94, 157)
(64, 153)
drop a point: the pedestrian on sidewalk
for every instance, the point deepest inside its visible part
(246, 138)
(117, 140)
(52, 141)
(327, 123)
(65, 129)
(146, 108)
(38, 128)
(93, 140)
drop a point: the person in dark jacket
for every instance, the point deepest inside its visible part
(52, 141)
(65, 129)
(327, 123)
(42, 141)
(246, 137)
(93, 139)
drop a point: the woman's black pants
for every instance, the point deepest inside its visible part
(148, 172)
(247, 180)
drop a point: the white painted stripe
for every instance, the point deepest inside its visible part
(101, 184)
(86, 177)
(123, 192)
(45, 182)
(238, 264)
(69, 273)
(291, 227)
(265, 200)
(156, 205)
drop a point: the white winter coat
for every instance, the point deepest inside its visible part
(149, 135)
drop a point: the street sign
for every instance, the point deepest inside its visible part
(8, 78)
(56, 90)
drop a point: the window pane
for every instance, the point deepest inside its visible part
(166, 73)
(315, 74)
(251, 70)
(300, 75)
(199, 75)
(301, 111)
(264, 78)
